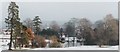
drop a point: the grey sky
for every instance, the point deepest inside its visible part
(61, 0)
(0, 15)
(63, 11)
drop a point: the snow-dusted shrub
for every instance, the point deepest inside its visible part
(54, 42)
(40, 41)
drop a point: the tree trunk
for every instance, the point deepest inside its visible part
(11, 39)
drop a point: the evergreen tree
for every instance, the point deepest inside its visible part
(37, 22)
(12, 20)
(17, 33)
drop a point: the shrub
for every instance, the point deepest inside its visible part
(54, 43)
(40, 41)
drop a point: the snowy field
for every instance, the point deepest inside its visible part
(77, 48)
(3, 46)
(68, 48)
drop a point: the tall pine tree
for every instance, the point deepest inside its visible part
(37, 22)
(12, 20)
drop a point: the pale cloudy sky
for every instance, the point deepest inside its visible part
(62, 0)
(63, 11)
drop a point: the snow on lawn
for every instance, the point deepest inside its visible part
(94, 48)
(3, 47)
(69, 48)
(78, 48)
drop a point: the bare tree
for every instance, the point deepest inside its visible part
(112, 28)
(99, 33)
(54, 25)
(86, 30)
(28, 22)
(69, 28)
(107, 31)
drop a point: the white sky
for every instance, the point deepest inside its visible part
(62, 0)
(91, 9)
(0, 15)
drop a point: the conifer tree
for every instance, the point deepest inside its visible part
(12, 20)
(37, 22)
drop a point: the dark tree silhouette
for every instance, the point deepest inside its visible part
(12, 20)
(37, 22)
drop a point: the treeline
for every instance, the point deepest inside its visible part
(103, 31)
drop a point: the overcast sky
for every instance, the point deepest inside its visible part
(61, 0)
(63, 11)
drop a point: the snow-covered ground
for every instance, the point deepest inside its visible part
(77, 48)
(68, 48)
(3, 46)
